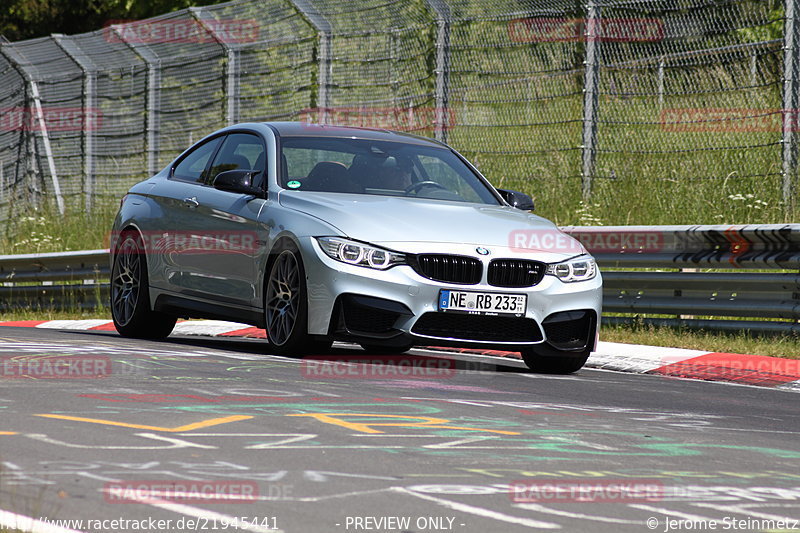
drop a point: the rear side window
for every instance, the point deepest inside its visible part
(192, 166)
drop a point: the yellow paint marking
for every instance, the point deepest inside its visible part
(427, 422)
(187, 427)
(8, 432)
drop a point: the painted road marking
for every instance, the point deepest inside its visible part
(580, 516)
(480, 511)
(187, 427)
(426, 422)
(172, 443)
(204, 514)
(18, 522)
(670, 513)
(8, 432)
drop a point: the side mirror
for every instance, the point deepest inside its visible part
(517, 199)
(239, 181)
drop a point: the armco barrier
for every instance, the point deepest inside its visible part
(723, 273)
(668, 274)
(64, 280)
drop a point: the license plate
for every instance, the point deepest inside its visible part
(483, 303)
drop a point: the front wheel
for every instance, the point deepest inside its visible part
(130, 298)
(554, 364)
(286, 306)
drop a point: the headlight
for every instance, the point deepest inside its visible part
(360, 254)
(580, 268)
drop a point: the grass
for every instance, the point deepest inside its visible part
(45, 230)
(787, 347)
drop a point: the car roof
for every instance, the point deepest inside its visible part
(304, 129)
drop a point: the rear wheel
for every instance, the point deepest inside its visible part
(286, 306)
(554, 364)
(130, 295)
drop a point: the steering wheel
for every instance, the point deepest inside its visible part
(415, 187)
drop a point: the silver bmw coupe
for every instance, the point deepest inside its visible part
(322, 233)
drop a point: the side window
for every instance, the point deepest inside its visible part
(241, 151)
(192, 166)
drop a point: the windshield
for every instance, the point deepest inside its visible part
(363, 166)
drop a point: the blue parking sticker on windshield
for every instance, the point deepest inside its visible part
(444, 299)
(294, 184)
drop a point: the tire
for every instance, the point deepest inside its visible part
(286, 306)
(130, 294)
(386, 350)
(553, 364)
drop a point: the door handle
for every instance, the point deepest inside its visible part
(191, 202)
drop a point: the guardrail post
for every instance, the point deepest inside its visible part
(23, 68)
(443, 22)
(89, 109)
(591, 74)
(791, 87)
(153, 96)
(233, 68)
(325, 76)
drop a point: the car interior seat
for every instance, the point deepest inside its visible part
(330, 176)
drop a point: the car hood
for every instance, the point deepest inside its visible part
(386, 220)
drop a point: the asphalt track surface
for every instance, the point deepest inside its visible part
(456, 443)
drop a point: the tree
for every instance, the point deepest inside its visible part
(26, 19)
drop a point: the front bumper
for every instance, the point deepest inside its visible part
(399, 306)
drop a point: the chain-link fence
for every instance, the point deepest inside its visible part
(642, 108)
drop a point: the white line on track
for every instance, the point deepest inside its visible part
(745, 509)
(671, 513)
(199, 513)
(20, 522)
(542, 509)
(480, 511)
(202, 514)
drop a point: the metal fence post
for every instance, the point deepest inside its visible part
(153, 97)
(443, 22)
(325, 31)
(18, 63)
(791, 86)
(591, 74)
(89, 109)
(233, 68)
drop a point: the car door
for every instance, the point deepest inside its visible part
(174, 199)
(220, 228)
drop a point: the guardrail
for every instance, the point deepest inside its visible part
(63, 280)
(666, 275)
(724, 272)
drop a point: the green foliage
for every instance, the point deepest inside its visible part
(785, 346)
(26, 19)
